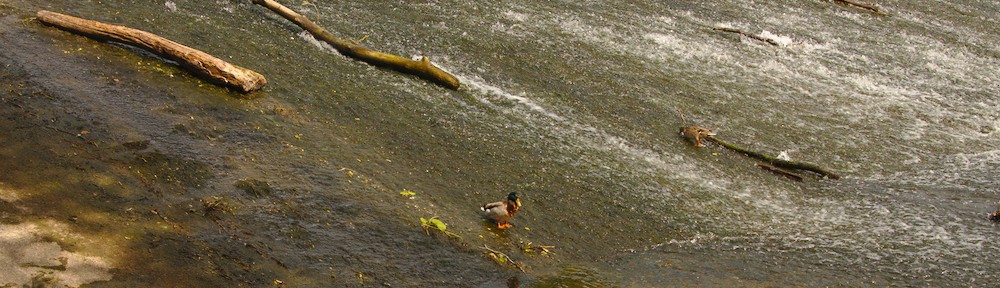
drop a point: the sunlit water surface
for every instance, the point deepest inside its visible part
(576, 104)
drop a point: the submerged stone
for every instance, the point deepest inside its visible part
(254, 187)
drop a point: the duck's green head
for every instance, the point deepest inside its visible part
(513, 198)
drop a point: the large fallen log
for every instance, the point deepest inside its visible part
(214, 69)
(422, 68)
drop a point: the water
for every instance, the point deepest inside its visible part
(576, 104)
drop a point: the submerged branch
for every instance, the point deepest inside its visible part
(779, 171)
(865, 6)
(748, 35)
(422, 68)
(215, 69)
(502, 258)
(541, 249)
(775, 161)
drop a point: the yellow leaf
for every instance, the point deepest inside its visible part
(407, 193)
(438, 224)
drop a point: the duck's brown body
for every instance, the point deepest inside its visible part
(502, 211)
(995, 217)
(695, 133)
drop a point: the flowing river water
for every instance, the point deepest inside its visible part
(574, 104)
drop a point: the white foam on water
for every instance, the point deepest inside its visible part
(887, 95)
(308, 37)
(668, 46)
(963, 171)
(781, 40)
(784, 156)
(594, 138)
(667, 36)
(480, 85)
(516, 16)
(874, 93)
(170, 6)
(837, 225)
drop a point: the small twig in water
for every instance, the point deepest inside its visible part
(748, 35)
(502, 258)
(543, 249)
(358, 42)
(865, 6)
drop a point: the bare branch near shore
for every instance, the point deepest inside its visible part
(212, 68)
(748, 35)
(874, 9)
(422, 68)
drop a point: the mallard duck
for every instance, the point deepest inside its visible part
(995, 217)
(502, 210)
(695, 133)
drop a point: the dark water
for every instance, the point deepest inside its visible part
(576, 105)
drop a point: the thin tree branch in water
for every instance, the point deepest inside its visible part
(422, 68)
(861, 5)
(748, 35)
(502, 258)
(779, 171)
(775, 161)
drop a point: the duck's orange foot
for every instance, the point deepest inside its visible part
(507, 225)
(501, 225)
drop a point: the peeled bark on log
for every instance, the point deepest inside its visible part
(214, 69)
(422, 68)
(870, 7)
(775, 161)
(748, 35)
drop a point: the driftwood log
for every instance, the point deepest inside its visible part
(422, 68)
(203, 64)
(748, 35)
(860, 5)
(775, 161)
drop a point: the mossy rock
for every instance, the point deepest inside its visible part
(164, 169)
(136, 145)
(254, 187)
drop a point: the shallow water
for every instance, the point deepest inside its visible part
(576, 105)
